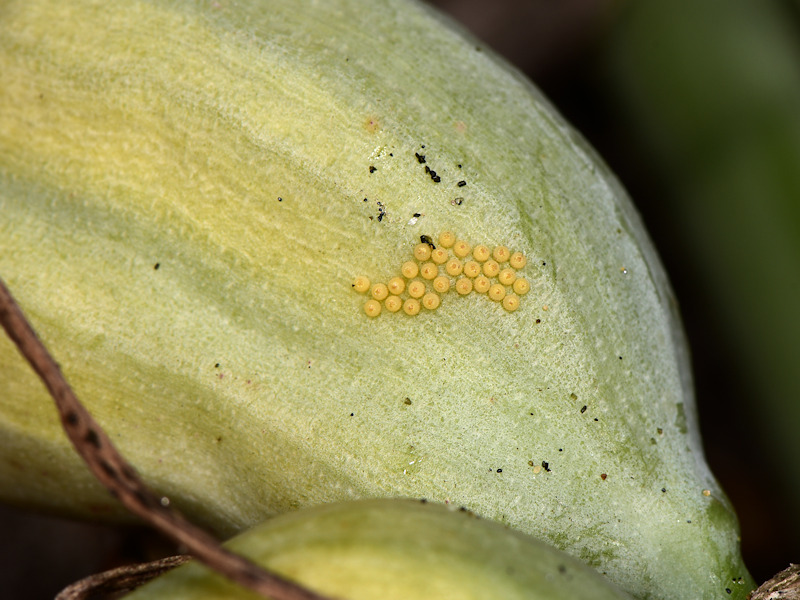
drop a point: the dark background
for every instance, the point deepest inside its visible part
(570, 49)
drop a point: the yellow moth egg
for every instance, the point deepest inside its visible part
(396, 285)
(507, 276)
(481, 253)
(497, 292)
(431, 301)
(461, 249)
(416, 289)
(422, 252)
(464, 286)
(411, 307)
(372, 308)
(447, 239)
(501, 254)
(361, 284)
(393, 303)
(491, 268)
(441, 284)
(521, 286)
(511, 302)
(380, 291)
(409, 269)
(454, 267)
(517, 260)
(482, 284)
(439, 255)
(429, 270)
(472, 269)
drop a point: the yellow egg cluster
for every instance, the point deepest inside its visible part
(452, 264)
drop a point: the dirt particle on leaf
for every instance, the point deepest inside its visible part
(371, 124)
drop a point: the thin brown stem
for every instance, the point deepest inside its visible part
(113, 471)
(784, 586)
(121, 579)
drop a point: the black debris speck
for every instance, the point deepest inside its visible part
(417, 215)
(546, 466)
(372, 169)
(432, 173)
(426, 239)
(420, 158)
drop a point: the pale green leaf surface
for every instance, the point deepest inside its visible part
(242, 377)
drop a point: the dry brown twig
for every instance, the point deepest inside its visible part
(113, 471)
(122, 579)
(784, 586)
